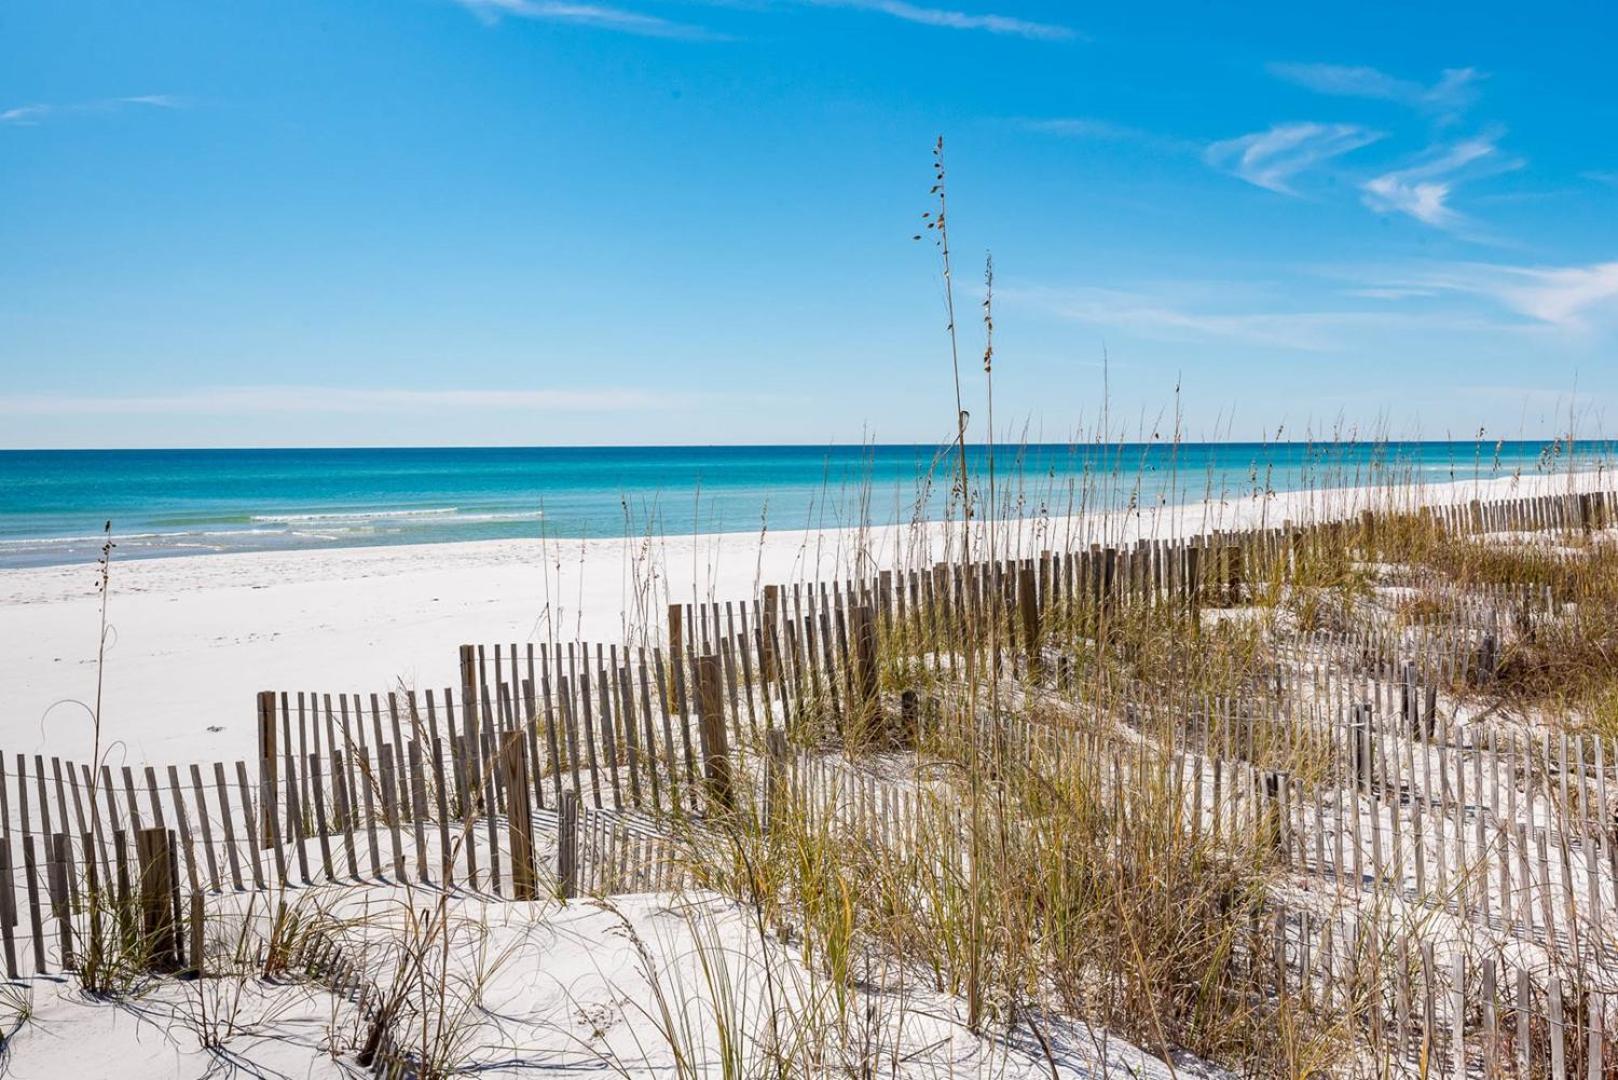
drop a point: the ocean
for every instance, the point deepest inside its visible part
(189, 502)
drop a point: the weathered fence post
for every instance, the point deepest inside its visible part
(711, 727)
(567, 844)
(1193, 581)
(8, 908)
(775, 766)
(767, 631)
(1233, 575)
(519, 819)
(198, 934)
(94, 902)
(59, 854)
(1109, 594)
(469, 672)
(1275, 837)
(1360, 731)
(31, 878)
(1409, 708)
(865, 662)
(1028, 608)
(269, 771)
(676, 629)
(125, 922)
(677, 668)
(152, 850)
(470, 736)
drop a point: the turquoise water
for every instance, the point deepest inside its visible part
(187, 502)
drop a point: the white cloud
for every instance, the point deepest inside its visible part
(1392, 292)
(31, 115)
(156, 101)
(1084, 127)
(1423, 200)
(582, 14)
(257, 400)
(1422, 191)
(1567, 297)
(1271, 159)
(1455, 89)
(1171, 318)
(636, 22)
(957, 20)
(25, 114)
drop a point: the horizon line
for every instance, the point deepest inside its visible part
(944, 445)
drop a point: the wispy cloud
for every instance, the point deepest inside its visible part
(1084, 127)
(1422, 191)
(1567, 297)
(1172, 318)
(1454, 91)
(1534, 397)
(1394, 292)
(1601, 176)
(629, 21)
(257, 400)
(38, 113)
(601, 16)
(958, 20)
(1271, 159)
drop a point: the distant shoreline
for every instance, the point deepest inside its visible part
(189, 502)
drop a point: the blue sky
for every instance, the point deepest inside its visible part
(548, 221)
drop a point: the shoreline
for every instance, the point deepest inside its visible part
(193, 638)
(173, 504)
